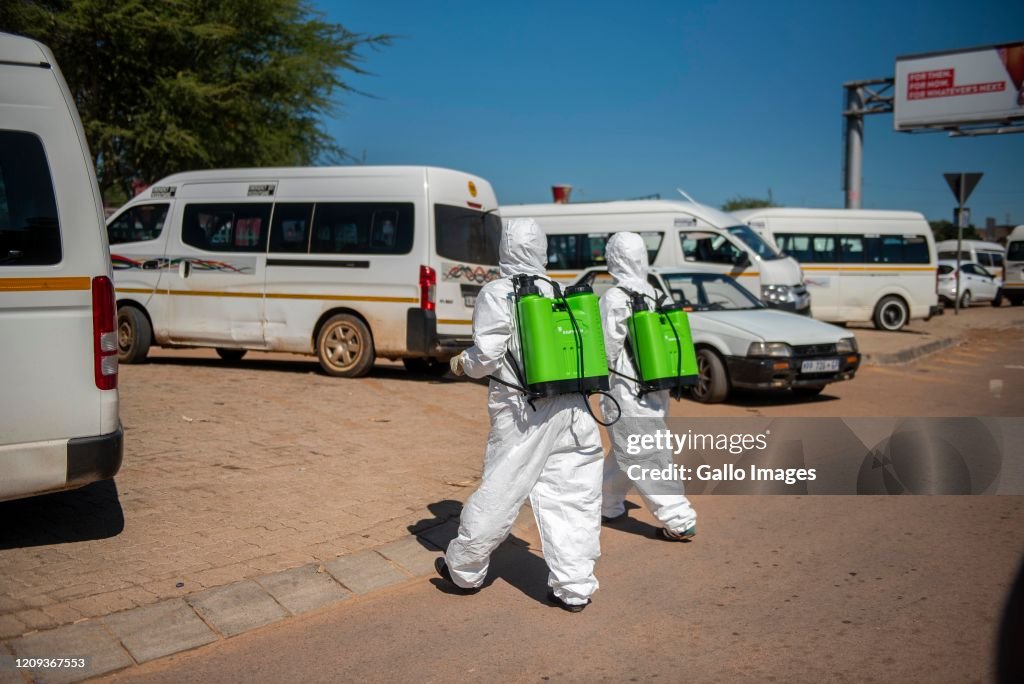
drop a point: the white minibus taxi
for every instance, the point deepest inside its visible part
(677, 234)
(59, 426)
(1013, 280)
(991, 255)
(347, 263)
(860, 265)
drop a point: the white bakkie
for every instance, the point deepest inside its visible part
(677, 233)
(347, 263)
(59, 426)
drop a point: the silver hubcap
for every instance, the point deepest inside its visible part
(892, 315)
(124, 335)
(343, 345)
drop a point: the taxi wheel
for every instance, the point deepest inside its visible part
(891, 313)
(344, 347)
(133, 335)
(712, 381)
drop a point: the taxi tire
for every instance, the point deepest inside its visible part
(345, 330)
(891, 303)
(134, 335)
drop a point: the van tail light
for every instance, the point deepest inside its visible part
(104, 332)
(428, 287)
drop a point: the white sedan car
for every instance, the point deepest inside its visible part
(976, 283)
(742, 343)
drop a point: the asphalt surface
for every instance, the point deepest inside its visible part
(773, 589)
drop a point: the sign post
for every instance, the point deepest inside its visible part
(962, 185)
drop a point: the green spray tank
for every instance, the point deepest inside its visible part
(561, 339)
(661, 346)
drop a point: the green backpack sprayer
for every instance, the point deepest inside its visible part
(660, 346)
(561, 340)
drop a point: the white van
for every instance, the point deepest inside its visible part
(1013, 280)
(677, 234)
(991, 255)
(347, 263)
(860, 265)
(59, 426)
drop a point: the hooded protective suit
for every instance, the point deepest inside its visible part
(552, 454)
(626, 255)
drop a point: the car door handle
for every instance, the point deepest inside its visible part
(184, 268)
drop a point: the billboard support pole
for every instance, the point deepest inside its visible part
(862, 98)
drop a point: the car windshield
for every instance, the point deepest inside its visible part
(1015, 251)
(754, 241)
(710, 292)
(466, 235)
(944, 269)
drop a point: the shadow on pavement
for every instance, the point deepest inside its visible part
(512, 561)
(632, 525)
(92, 512)
(304, 365)
(756, 398)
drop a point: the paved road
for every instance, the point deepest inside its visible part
(237, 470)
(773, 589)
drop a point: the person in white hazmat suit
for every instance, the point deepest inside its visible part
(626, 256)
(550, 452)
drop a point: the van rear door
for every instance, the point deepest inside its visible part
(466, 243)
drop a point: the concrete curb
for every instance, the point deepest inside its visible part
(911, 354)
(121, 640)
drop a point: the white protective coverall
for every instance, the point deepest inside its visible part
(626, 255)
(552, 454)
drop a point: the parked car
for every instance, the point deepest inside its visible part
(677, 233)
(59, 426)
(741, 343)
(976, 283)
(349, 264)
(991, 255)
(860, 265)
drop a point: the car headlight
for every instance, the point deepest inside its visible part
(777, 293)
(770, 349)
(847, 345)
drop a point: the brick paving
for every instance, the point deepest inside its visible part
(234, 471)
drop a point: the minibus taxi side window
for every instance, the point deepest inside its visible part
(289, 231)
(851, 249)
(29, 226)
(915, 249)
(985, 259)
(139, 224)
(226, 227)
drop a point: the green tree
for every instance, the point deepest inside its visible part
(171, 85)
(742, 202)
(946, 230)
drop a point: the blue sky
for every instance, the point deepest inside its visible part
(631, 99)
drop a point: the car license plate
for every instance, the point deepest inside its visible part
(819, 366)
(470, 301)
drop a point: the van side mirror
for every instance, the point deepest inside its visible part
(742, 260)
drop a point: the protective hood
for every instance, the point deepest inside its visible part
(523, 248)
(626, 255)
